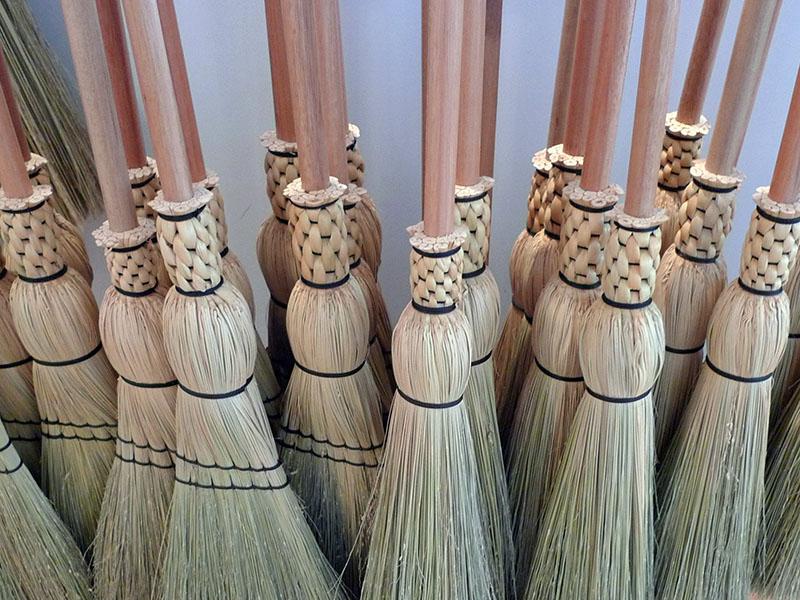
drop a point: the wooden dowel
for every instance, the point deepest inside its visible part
(655, 68)
(615, 38)
(307, 94)
(13, 175)
(119, 68)
(704, 52)
(750, 50)
(491, 75)
(94, 82)
(279, 71)
(161, 108)
(468, 158)
(8, 91)
(581, 82)
(441, 54)
(566, 54)
(183, 91)
(785, 185)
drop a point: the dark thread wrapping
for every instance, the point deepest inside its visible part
(737, 378)
(343, 374)
(67, 363)
(625, 306)
(326, 286)
(220, 396)
(200, 293)
(556, 376)
(433, 310)
(52, 277)
(431, 405)
(613, 400)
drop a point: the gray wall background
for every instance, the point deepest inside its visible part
(226, 52)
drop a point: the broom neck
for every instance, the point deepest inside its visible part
(491, 73)
(11, 101)
(785, 185)
(468, 158)
(279, 71)
(13, 174)
(566, 54)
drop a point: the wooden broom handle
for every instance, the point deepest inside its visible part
(491, 74)
(704, 51)
(8, 91)
(279, 71)
(566, 55)
(13, 174)
(785, 185)
(303, 49)
(441, 55)
(468, 158)
(582, 78)
(119, 69)
(750, 50)
(94, 82)
(161, 108)
(655, 69)
(183, 91)
(615, 38)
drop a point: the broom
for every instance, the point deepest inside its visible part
(232, 268)
(139, 488)
(481, 301)
(231, 497)
(331, 433)
(692, 274)
(513, 352)
(428, 539)
(39, 558)
(596, 537)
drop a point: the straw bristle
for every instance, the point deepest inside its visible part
(787, 375)
(366, 214)
(39, 558)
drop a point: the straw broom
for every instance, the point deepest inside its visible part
(139, 489)
(513, 352)
(39, 558)
(596, 536)
(481, 301)
(428, 539)
(231, 493)
(787, 374)
(692, 274)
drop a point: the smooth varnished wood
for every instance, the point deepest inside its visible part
(468, 159)
(279, 71)
(8, 91)
(566, 55)
(13, 175)
(785, 185)
(491, 76)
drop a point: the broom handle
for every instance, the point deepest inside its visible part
(615, 39)
(183, 91)
(741, 83)
(161, 108)
(441, 53)
(13, 107)
(94, 82)
(704, 51)
(303, 49)
(279, 71)
(566, 55)
(785, 184)
(584, 65)
(13, 174)
(468, 158)
(655, 68)
(491, 73)
(119, 69)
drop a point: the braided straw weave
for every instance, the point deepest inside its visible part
(145, 184)
(473, 210)
(541, 175)
(565, 168)
(132, 271)
(436, 281)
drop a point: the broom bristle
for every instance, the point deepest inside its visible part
(712, 482)
(787, 375)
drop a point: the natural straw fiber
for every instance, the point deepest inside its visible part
(596, 537)
(39, 558)
(133, 516)
(233, 517)
(681, 147)
(691, 277)
(554, 385)
(712, 482)
(480, 303)
(56, 317)
(145, 184)
(428, 539)
(787, 375)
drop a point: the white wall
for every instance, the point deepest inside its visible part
(225, 44)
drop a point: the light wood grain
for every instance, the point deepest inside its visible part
(441, 54)
(279, 71)
(161, 108)
(491, 75)
(750, 49)
(785, 185)
(8, 91)
(615, 40)
(119, 68)
(13, 175)
(302, 47)
(701, 62)
(97, 97)
(468, 158)
(183, 91)
(566, 54)
(655, 70)
(583, 76)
